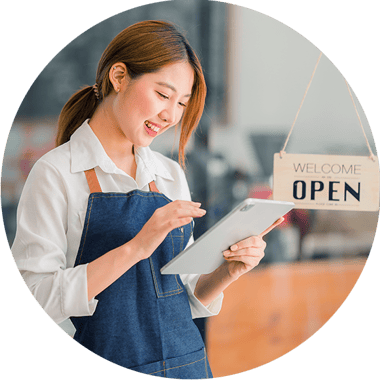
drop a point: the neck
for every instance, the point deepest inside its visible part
(116, 145)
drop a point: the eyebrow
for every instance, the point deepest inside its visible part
(168, 85)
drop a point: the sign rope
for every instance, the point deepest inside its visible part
(282, 151)
(372, 156)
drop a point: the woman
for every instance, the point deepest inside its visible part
(101, 214)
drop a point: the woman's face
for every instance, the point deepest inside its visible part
(149, 105)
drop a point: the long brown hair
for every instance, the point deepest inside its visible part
(144, 47)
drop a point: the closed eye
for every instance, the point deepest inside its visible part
(167, 97)
(162, 95)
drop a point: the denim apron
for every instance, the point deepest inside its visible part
(143, 320)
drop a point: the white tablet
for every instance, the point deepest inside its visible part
(251, 217)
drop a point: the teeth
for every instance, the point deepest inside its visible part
(152, 127)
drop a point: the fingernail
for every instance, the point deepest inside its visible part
(234, 247)
(226, 253)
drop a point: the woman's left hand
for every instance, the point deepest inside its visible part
(246, 254)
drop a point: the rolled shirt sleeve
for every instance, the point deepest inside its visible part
(40, 246)
(198, 310)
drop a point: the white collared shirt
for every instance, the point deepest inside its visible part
(51, 214)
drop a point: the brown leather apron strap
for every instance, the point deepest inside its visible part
(153, 187)
(94, 185)
(92, 181)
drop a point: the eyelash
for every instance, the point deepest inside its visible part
(166, 97)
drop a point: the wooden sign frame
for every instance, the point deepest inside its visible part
(327, 182)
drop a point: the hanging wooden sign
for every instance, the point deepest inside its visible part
(327, 182)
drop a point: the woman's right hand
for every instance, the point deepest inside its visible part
(165, 219)
(107, 268)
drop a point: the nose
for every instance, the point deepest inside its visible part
(168, 114)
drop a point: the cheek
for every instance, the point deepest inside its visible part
(147, 106)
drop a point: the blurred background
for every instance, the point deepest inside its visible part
(257, 70)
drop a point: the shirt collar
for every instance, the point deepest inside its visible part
(87, 152)
(149, 165)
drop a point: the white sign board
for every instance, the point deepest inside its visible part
(327, 182)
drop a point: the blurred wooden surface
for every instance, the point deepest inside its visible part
(272, 310)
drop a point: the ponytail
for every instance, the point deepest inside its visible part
(80, 106)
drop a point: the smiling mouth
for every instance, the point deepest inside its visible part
(152, 127)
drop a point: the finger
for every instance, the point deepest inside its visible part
(188, 209)
(177, 223)
(182, 209)
(185, 212)
(180, 217)
(186, 204)
(252, 241)
(247, 260)
(251, 252)
(274, 225)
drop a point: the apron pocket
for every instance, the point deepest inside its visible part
(167, 285)
(191, 366)
(174, 243)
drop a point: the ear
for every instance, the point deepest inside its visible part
(118, 75)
